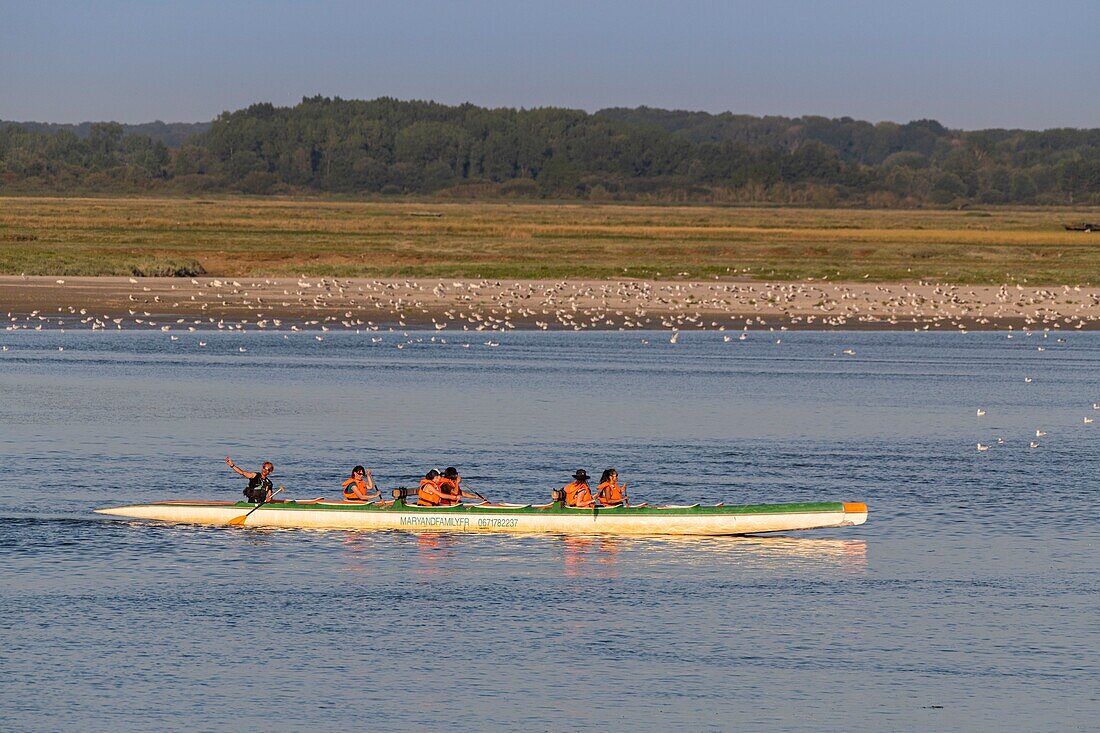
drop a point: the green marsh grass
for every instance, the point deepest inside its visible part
(274, 236)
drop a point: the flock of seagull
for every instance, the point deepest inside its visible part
(494, 305)
(1039, 432)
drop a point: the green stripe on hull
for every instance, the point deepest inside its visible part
(803, 508)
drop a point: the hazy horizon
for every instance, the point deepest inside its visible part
(983, 65)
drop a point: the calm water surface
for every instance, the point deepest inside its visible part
(967, 602)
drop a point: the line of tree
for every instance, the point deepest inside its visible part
(389, 146)
(172, 134)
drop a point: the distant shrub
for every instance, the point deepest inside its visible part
(883, 199)
(599, 193)
(519, 188)
(258, 182)
(472, 190)
(198, 183)
(948, 188)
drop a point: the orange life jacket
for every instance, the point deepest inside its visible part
(428, 493)
(577, 493)
(351, 484)
(609, 492)
(449, 492)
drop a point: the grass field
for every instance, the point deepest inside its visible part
(247, 236)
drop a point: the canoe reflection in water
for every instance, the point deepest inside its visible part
(589, 556)
(600, 557)
(596, 556)
(435, 552)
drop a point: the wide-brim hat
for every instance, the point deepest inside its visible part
(581, 474)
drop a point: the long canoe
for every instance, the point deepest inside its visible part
(550, 518)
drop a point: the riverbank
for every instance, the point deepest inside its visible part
(501, 305)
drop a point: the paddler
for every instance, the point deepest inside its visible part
(577, 493)
(609, 492)
(259, 485)
(450, 488)
(360, 486)
(428, 493)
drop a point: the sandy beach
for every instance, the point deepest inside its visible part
(479, 305)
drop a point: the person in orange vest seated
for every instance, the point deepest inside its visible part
(577, 493)
(428, 493)
(609, 492)
(360, 486)
(450, 488)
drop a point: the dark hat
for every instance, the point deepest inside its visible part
(581, 475)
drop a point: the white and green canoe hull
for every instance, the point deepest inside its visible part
(550, 519)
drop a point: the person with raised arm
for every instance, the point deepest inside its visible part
(259, 486)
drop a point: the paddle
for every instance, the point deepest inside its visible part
(471, 491)
(475, 493)
(238, 521)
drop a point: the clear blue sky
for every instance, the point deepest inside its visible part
(968, 63)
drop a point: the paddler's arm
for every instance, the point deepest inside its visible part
(370, 487)
(246, 474)
(623, 500)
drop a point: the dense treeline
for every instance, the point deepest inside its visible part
(172, 134)
(391, 147)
